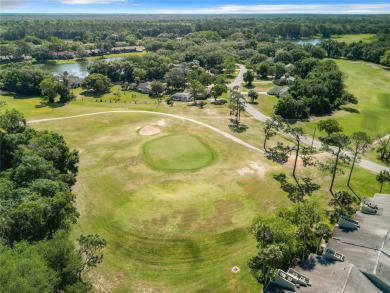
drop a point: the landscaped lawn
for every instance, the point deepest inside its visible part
(366, 38)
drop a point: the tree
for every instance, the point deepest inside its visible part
(262, 69)
(360, 141)
(322, 231)
(249, 77)
(218, 90)
(97, 82)
(340, 142)
(175, 77)
(157, 88)
(253, 95)
(196, 88)
(343, 203)
(237, 104)
(382, 177)
(49, 87)
(383, 143)
(229, 64)
(276, 243)
(90, 251)
(271, 125)
(297, 133)
(385, 60)
(330, 126)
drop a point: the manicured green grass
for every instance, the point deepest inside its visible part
(370, 83)
(168, 231)
(177, 153)
(366, 38)
(265, 104)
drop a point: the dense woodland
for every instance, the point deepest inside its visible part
(37, 171)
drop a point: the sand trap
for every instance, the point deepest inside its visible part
(150, 130)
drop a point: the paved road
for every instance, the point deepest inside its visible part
(225, 134)
(366, 164)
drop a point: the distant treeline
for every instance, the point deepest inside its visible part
(93, 27)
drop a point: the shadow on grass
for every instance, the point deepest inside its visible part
(92, 94)
(249, 86)
(54, 105)
(237, 127)
(353, 191)
(253, 103)
(351, 110)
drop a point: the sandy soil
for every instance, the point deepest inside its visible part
(150, 130)
(253, 168)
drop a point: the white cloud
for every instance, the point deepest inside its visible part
(288, 9)
(76, 2)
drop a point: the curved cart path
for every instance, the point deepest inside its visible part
(366, 164)
(225, 134)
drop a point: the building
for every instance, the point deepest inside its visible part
(144, 87)
(356, 259)
(182, 97)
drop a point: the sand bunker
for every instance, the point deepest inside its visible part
(150, 130)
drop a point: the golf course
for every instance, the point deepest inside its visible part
(175, 199)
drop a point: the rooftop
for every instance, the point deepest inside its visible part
(366, 251)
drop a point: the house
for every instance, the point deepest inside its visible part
(356, 258)
(285, 79)
(95, 52)
(178, 39)
(278, 91)
(182, 97)
(75, 82)
(63, 55)
(144, 87)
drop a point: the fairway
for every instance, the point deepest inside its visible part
(177, 153)
(175, 207)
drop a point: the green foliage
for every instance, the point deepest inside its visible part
(218, 89)
(23, 269)
(229, 64)
(382, 177)
(90, 251)
(24, 80)
(385, 60)
(97, 82)
(330, 126)
(249, 77)
(253, 95)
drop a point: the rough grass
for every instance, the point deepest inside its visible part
(366, 38)
(177, 153)
(180, 231)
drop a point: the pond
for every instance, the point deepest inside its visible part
(303, 42)
(76, 69)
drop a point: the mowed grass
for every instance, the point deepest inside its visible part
(370, 83)
(175, 153)
(348, 39)
(168, 231)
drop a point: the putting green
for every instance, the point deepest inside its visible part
(178, 152)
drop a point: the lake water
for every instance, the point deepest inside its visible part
(77, 68)
(303, 42)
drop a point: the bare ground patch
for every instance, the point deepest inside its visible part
(253, 168)
(150, 130)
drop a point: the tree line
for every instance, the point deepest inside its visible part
(37, 171)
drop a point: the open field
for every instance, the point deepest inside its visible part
(182, 228)
(366, 38)
(170, 231)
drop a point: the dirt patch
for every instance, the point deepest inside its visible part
(149, 130)
(322, 157)
(161, 122)
(254, 168)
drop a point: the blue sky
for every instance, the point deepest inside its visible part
(196, 7)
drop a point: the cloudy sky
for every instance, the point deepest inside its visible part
(197, 7)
